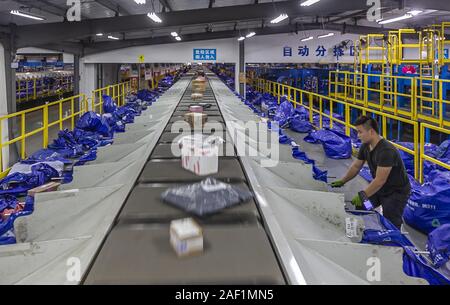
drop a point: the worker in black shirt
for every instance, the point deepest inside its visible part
(390, 187)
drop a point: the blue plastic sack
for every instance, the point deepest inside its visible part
(319, 174)
(300, 155)
(380, 231)
(284, 112)
(415, 265)
(335, 144)
(298, 124)
(283, 139)
(438, 245)
(90, 121)
(429, 204)
(109, 106)
(19, 183)
(7, 235)
(46, 154)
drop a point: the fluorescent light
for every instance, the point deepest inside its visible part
(241, 38)
(306, 39)
(414, 12)
(140, 1)
(113, 38)
(174, 34)
(251, 34)
(279, 18)
(408, 15)
(309, 2)
(326, 35)
(154, 17)
(178, 38)
(18, 13)
(99, 34)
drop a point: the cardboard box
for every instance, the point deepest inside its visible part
(186, 237)
(48, 187)
(198, 156)
(196, 120)
(196, 96)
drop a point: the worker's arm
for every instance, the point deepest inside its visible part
(380, 179)
(353, 170)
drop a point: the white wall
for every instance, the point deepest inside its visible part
(87, 78)
(269, 48)
(3, 106)
(227, 51)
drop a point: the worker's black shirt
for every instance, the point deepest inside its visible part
(386, 155)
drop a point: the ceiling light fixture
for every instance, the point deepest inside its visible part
(326, 35)
(241, 38)
(408, 15)
(26, 15)
(113, 38)
(307, 38)
(99, 34)
(154, 17)
(178, 38)
(279, 18)
(251, 34)
(140, 1)
(174, 34)
(309, 2)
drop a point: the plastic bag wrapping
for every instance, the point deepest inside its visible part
(25, 168)
(298, 124)
(301, 155)
(91, 121)
(7, 235)
(18, 183)
(438, 245)
(429, 204)
(335, 144)
(109, 106)
(46, 154)
(380, 231)
(283, 138)
(319, 174)
(206, 197)
(416, 265)
(284, 112)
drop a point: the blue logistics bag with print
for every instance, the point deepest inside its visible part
(335, 144)
(439, 246)
(429, 204)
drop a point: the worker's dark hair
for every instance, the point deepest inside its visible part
(367, 122)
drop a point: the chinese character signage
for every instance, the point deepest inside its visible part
(205, 54)
(318, 51)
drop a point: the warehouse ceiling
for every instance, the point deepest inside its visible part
(193, 20)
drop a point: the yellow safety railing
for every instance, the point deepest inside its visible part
(52, 114)
(383, 95)
(118, 92)
(326, 107)
(431, 105)
(423, 156)
(44, 121)
(422, 99)
(33, 89)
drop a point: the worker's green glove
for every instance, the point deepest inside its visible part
(337, 183)
(356, 201)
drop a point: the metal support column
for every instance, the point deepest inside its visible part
(241, 68)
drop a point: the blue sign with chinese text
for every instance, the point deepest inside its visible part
(205, 54)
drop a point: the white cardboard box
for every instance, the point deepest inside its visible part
(186, 237)
(199, 157)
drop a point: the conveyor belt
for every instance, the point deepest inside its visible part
(137, 250)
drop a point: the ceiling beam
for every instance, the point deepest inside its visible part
(98, 47)
(49, 32)
(428, 4)
(166, 4)
(37, 4)
(113, 7)
(211, 3)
